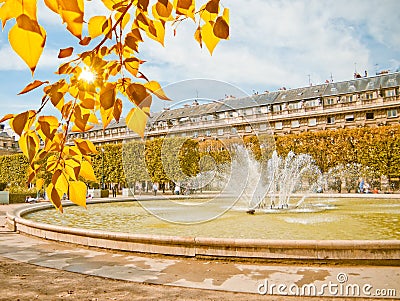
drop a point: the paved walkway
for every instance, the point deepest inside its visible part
(344, 281)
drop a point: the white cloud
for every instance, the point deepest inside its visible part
(273, 43)
(281, 43)
(10, 60)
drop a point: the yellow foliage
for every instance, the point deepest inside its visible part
(92, 81)
(77, 193)
(39, 184)
(207, 35)
(27, 38)
(87, 171)
(95, 26)
(136, 121)
(156, 89)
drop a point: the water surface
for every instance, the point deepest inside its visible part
(342, 218)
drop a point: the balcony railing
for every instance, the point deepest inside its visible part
(321, 110)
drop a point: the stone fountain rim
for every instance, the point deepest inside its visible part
(205, 246)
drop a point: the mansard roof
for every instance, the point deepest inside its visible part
(363, 84)
(358, 85)
(255, 100)
(305, 93)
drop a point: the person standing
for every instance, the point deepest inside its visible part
(155, 188)
(361, 185)
(114, 191)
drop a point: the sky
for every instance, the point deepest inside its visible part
(273, 44)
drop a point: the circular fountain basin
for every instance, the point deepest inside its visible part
(325, 228)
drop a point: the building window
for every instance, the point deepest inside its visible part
(278, 125)
(349, 98)
(295, 123)
(183, 135)
(265, 109)
(220, 132)
(276, 108)
(369, 116)
(392, 113)
(208, 133)
(233, 130)
(312, 121)
(330, 120)
(330, 101)
(349, 118)
(247, 129)
(312, 103)
(263, 127)
(195, 134)
(390, 93)
(294, 106)
(369, 96)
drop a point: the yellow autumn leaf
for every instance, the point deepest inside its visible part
(106, 116)
(125, 19)
(72, 168)
(107, 96)
(156, 89)
(77, 193)
(209, 11)
(7, 117)
(208, 37)
(27, 38)
(136, 120)
(185, 7)
(29, 144)
(109, 3)
(71, 13)
(54, 196)
(156, 31)
(60, 181)
(32, 86)
(221, 28)
(13, 9)
(86, 147)
(117, 110)
(93, 119)
(87, 171)
(52, 4)
(48, 126)
(197, 36)
(39, 184)
(225, 14)
(95, 26)
(162, 10)
(51, 163)
(19, 122)
(132, 65)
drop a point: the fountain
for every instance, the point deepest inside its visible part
(270, 186)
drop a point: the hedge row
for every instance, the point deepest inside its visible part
(378, 148)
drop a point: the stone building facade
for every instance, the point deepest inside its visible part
(8, 145)
(361, 102)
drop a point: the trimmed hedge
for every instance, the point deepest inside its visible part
(20, 197)
(105, 193)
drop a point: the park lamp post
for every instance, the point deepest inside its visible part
(102, 168)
